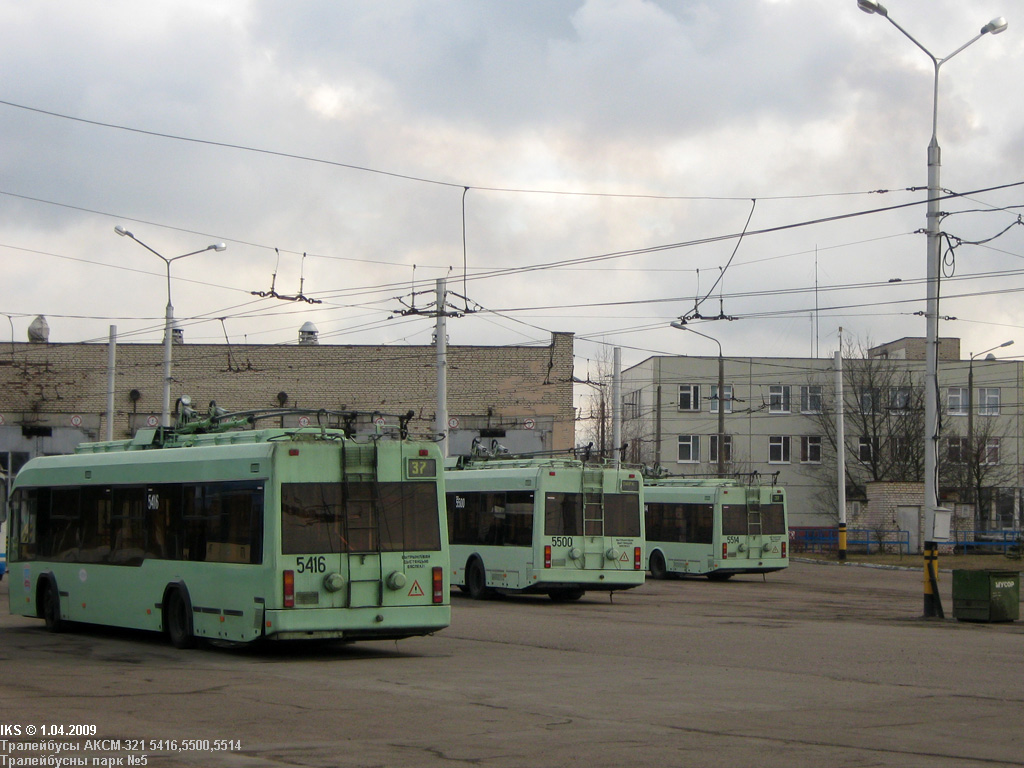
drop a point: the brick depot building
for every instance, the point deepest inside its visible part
(54, 396)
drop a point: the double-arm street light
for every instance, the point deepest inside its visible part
(933, 257)
(165, 413)
(722, 399)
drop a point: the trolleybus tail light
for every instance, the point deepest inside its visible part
(293, 451)
(547, 556)
(783, 549)
(437, 578)
(289, 589)
(636, 558)
(725, 551)
(424, 452)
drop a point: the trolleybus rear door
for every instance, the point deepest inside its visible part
(362, 532)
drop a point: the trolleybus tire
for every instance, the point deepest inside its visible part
(50, 606)
(566, 594)
(476, 580)
(657, 566)
(716, 576)
(178, 618)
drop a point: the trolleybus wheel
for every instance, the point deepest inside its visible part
(51, 608)
(476, 581)
(658, 569)
(566, 594)
(717, 576)
(178, 615)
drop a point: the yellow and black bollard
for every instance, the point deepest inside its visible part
(842, 541)
(932, 599)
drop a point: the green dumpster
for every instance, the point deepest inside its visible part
(986, 595)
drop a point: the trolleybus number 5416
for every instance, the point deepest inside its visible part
(311, 564)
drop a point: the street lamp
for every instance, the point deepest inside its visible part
(722, 399)
(165, 413)
(975, 455)
(933, 257)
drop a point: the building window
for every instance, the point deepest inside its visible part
(810, 450)
(988, 401)
(958, 450)
(689, 449)
(902, 449)
(778, 398)
(810, 399)
(957, 401)
(631, 405)
(992, 450)
(870, 399)
(727, 442)
(867, 449)
(689, 397)
(778, 449)
(899, 399)
(727, 397)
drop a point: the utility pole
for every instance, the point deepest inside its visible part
(441, 344)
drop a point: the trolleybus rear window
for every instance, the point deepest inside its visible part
(622, 514)
(734, 520)
(322, 518)
(773, 519)
(563, 514)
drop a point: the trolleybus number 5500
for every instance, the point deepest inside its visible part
(561, 541)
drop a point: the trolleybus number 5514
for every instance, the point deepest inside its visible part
(311, 564)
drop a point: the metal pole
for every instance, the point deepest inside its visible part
(165, 412)
(111, 374)
(616, 403)
(722, 400)
(441, 344)
(840, 454)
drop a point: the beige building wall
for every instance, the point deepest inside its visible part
(64, 386)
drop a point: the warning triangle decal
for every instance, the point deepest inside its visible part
(624, 558)
(416, 590)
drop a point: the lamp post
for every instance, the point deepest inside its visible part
(165, 413)
(722, 399)
(933, 257)
(975, 456)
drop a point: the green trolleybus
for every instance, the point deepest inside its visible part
(714, 527)
(552, 526)
(234, 536)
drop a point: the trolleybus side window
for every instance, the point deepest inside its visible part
(563, 514)
(64, 514)
(622, 514)
(128, 526)
(94, 528)
(680, 523)
(125, 525)
(496, 518)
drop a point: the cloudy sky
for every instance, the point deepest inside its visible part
(567, 165)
